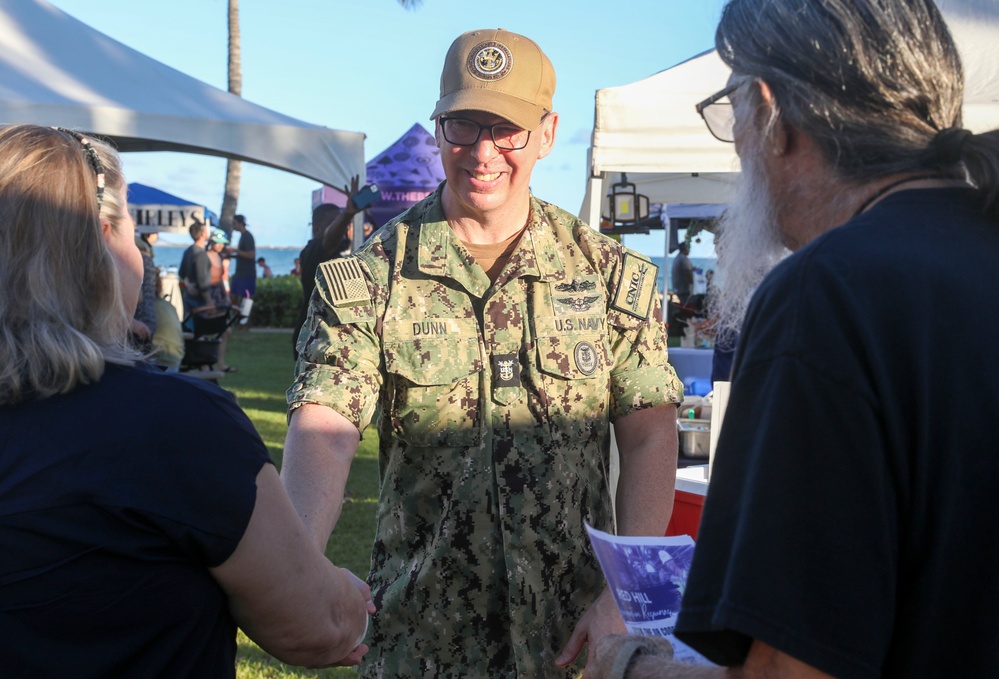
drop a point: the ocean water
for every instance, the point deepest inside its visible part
(282, 259)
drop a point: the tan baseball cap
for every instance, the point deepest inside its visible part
(499, 72)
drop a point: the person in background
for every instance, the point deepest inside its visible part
(266, 273)
(195, 270)
(850, 527)
(218, 292)
(167, 350)
(131, 544)
(296, 270)
(682, 274)
(143, 325)
(217, 243)
(226, 261)
(146, 241)
(500, 337)
(330, 225)
(244, 278)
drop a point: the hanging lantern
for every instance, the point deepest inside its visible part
(627, 206)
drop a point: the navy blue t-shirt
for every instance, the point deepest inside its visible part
(246, 267)
(851, 520)
(115, 499)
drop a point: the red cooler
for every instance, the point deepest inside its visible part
(691, 487)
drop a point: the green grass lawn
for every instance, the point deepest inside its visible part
(264, 371)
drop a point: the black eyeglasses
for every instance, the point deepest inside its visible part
(718, 115)
(465, 132)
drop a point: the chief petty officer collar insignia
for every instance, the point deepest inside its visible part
(506, 370)
(490, 60)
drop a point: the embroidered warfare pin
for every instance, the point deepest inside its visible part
(578, 304)
(573, 298)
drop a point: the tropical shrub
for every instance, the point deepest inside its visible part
(276, 303)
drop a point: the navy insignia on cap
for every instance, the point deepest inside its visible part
(490, 60)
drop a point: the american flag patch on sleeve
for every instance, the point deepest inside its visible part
(345, 278)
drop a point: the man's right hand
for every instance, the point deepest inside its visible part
(318, 452)
(355, 186)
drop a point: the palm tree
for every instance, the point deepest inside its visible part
(233, 168)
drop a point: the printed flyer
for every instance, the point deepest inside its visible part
(647, 576)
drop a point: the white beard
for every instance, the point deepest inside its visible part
(748, 242)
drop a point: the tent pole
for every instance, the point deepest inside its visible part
(596, 194)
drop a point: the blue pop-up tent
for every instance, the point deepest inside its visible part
(159, 211)
(407, 171)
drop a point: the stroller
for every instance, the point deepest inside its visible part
(207, 325)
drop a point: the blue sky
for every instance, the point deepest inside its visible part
(373, 67)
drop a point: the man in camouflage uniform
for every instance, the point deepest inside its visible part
(498, 337)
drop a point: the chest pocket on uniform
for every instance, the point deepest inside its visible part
(435, 391)
(575, 370)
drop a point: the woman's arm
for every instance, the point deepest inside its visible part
(285, 594)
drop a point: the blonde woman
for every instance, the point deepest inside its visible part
(140, 515)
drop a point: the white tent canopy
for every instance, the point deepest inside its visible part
(650, 130)
(55, 70)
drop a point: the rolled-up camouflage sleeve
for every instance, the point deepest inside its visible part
(642, 376)
(339, 363)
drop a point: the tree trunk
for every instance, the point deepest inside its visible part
(233, 167)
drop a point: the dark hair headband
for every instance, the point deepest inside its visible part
(95, 161)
